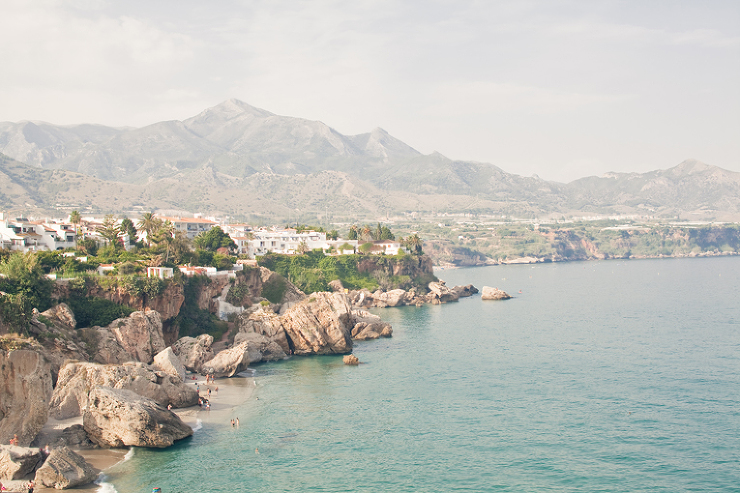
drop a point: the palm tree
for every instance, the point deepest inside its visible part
(413, 243)
(76, 219)
(149, 224)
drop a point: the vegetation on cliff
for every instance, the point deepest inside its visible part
(313, 271)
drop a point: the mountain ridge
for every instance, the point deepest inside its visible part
(235, 144)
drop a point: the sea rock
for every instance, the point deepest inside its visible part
(168, 362)
(24, 395)
(490, 293)
(122, 418)
(193, 352)
(441, 293)
(65, 469)
(351, 359)
(269, 350)
(16, 462)
(72, 393)
(71, 436)
(369, 326)
(231, 361)
(394, 297)
(465, 291)
(320, 324)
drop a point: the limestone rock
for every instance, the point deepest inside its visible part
(140, 334)
(490, 293)
(439, 291)
(72, 436)
(65, 469)
(16, 462)
(351, 359)
(394, 297)
(71, 395)
(168, 362)
(369, 326)
(137, 337)
(194, 351)
(320, 324)
(263, 322)
(24, 395)
(336, 286)
(269, 350)
(121, 418)
(231, 361)
(61, 314)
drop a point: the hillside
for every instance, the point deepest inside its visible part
(236, 159)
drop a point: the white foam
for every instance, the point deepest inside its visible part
(128, 455)
(104, 487)
(198, 425)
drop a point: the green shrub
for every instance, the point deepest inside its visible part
(274, 289)
(90, 312)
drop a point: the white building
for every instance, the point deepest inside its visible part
(24, 235)
(191, 226)
(287, 241)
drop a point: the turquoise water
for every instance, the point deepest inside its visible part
(600, 377)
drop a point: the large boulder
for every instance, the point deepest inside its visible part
(489, 293)
(24, 395)
(16, 462)
(465, 291)
(168, 362)
(65, 469)
(122, 418)
(229, 362)
(269, 350)
(194, 351)
(320, 324)
(76, 380)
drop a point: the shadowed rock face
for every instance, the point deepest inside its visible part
(65, 469)
(193, 352)
(24, 395)
(72, 393)
(121, 418)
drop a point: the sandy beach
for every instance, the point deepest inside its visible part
(231, 393)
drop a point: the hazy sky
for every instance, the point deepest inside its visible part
(563, 89)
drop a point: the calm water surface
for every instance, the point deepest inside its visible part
(599, 376)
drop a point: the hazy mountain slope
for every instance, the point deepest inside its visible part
(691, 186)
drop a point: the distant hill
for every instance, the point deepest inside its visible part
(234, 158)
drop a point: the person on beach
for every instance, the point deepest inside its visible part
(47, 450)
(232, 422)
(237, 422)
(209, 393)
(216, 389)
(14, 440)
(31, 486)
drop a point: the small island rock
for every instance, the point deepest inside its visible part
(490, 293)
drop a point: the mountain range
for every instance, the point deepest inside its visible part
(235, 159)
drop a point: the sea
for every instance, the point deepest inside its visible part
(600, 376)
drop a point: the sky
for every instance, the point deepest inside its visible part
(561, 89)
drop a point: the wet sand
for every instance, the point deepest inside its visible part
(231, 393)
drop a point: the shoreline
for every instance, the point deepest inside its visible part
(232, 392)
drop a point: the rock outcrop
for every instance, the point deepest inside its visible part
(137, 337)
(24, 395)
(490, 293)
(320, 324)
(121, 418)
(263, 322)
(194, 351)
(168, 362)
(438, 293)
(76, 381)
(17, 462)
(65, 469)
